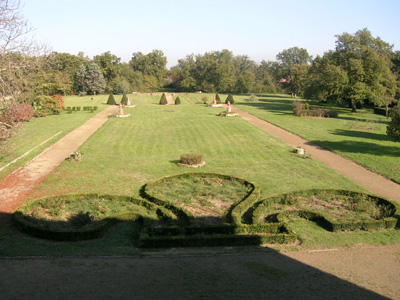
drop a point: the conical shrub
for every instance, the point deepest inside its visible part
(111, 100)
(124, 99)
(163, 100)
(217, 99)
(230, 99)
(177, 101)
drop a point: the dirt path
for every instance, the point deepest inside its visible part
(373, 182)
(357, 273)
(19, 183)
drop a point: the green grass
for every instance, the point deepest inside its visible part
(345, 135)
(126, 153)
(38, 130)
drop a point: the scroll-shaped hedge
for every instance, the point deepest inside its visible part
(335, 210)
(80, 217)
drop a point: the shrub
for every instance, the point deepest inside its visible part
(230, 99)
(124, 99)
(217, 98)
(204, 99)
(163, 100)
(111, 100)
(298, 108)
(177, 101)
(44, 106)
(253, 98)
(393, 128)
(60, 100)
(191, 159)
(21, 112)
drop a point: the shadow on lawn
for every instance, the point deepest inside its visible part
(257, 273)
(359, 147)
(361, 134)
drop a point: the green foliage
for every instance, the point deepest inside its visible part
(230, 99)
(217, 98)
(111, 100)
(44, 106)
(177, 101)
(393, 128)
(253, 98)
(301, 109)
(124, 99)
(163, 100)
(191, 159)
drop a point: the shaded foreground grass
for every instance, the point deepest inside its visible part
(361, 137)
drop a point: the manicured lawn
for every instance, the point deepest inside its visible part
(38, 130)
(126, 153)
(346, 135)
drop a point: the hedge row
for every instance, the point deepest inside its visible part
(26, 224)
(78, 108)
(216, 229)
(386, 223)
(214, 240)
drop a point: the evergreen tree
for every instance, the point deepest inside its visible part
(163, 100)
(230, 99)
(177, 101)
(217, 98)
(124, 99)
(111, 99)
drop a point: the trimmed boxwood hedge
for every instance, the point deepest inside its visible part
(388, 222)
(25, 224)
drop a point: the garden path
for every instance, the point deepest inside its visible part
(19, 183)
(372, 181)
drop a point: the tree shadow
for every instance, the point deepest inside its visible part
(262, 272)
(361, 134)
(359, 147)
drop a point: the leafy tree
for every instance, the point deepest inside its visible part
(122, 86)
(109, 65)
(393, 128)
(298, 79)
(152, 64)
(246, 82)
(291, 57)
(366, 60)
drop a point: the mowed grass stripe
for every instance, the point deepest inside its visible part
(128, 152)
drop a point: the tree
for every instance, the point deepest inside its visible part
(229, 99)
(152, 64)
(111, 99)
(288, 58)
(109, 65)
(367, 62)
(124, 99)
(19, 55)
(163, 100)
(90, 79)
(393, 128)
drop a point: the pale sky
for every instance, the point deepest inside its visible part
(259, 29)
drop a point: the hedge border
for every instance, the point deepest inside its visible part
(324, 221)
(238, 233)
(22, 222)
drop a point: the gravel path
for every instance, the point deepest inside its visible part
(19, 183)
(373, 182)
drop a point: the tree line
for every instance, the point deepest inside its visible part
(362, 68)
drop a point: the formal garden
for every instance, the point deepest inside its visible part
(131, 189)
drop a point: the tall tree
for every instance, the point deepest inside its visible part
(291, 57)
(366, 60)
(152, 64)
(109, 65)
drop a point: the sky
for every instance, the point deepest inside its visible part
(256, 28)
